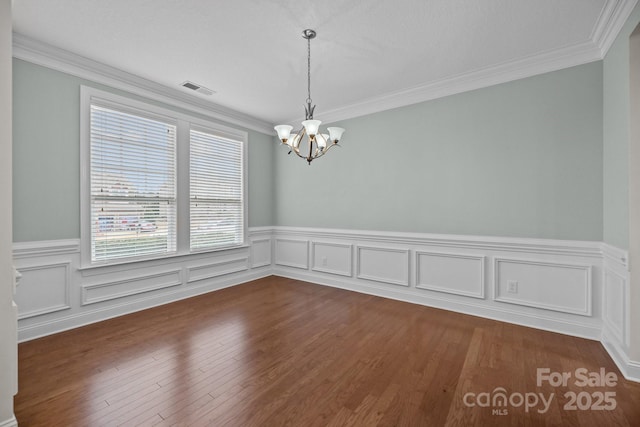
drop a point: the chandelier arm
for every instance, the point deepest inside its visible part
(326, 145)
(302, 132)
(297, 152)
(327, 149)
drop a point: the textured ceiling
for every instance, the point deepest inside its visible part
(252, 54)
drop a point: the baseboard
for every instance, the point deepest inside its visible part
(441, 302)
(11, 422)
(629, 369)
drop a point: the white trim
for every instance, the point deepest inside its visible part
(323, 269)
(86, 299)
(630, 369)
(11, 422)
(252, 252)
(620, 332)
(231, 269)
(614, 14)
(586, 311)
(46, 55)
(485, 243)
(45, 248)
(546, 62)
(360, 275)
(67, 289)
(610, 22)
(429, 287)
(615, 255)
(286, 263)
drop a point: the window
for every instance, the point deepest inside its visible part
(215, 177)
(133, 185)
(156, 182)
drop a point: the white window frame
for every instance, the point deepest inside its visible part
(185, 122)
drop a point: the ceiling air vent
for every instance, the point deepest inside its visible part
(197, 88)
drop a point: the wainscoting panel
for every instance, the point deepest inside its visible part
(260, 252)
(100, 292)
(615, 310)
(43, 289)
(292, 253)
(209, 270)
(545, 285)
(616, 331)
(452, 273)
(385, 265)
(333, 258)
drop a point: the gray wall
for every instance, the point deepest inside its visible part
(46, 165)
(616, 137)
(517, 159)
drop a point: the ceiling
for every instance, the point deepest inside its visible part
(368, 55)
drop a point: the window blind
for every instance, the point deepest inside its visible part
(132, 185)
(216, 191)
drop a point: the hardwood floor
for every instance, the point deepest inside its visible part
(277, 352)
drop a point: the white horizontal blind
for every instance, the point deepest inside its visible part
(132, 185)
(216, 191)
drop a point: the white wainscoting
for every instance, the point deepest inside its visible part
(44, 288)
(385, 265)
(545, 285)
(209, 270)
(572, 287)
(292, 253)
(55, 294)
(261, 252)
(333, 258)
(559, 282)
(452, 273)
(115, 289)
(616, 310)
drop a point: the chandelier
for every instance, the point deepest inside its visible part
(315, 144)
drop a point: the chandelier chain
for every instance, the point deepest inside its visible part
(309, 70)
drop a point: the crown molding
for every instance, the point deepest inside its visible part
(609, 24)
(613, 17)
(513, 70)
(46, 55)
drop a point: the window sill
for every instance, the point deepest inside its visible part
(150, 261)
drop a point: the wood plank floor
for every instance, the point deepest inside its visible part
(278, 352)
